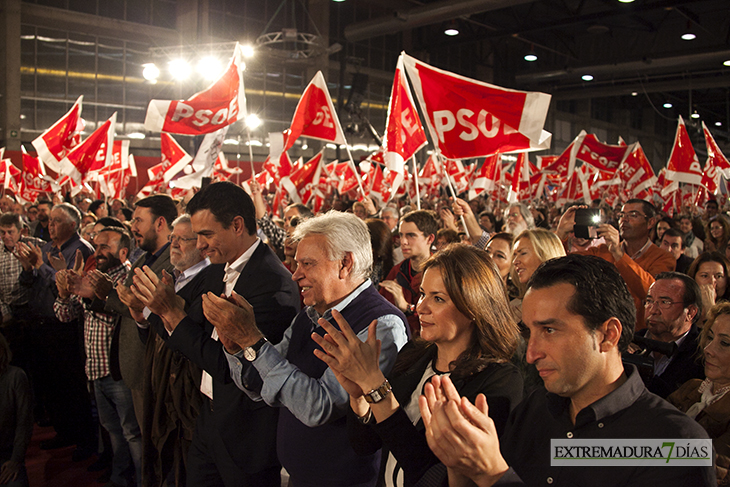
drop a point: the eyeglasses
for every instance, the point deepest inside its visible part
(175, 239)
(662, 303)
(630, 214)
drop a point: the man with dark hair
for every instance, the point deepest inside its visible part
(234, 443)
(113, 398)
(402, 285)
(629, 248)
(673, 242)
(39, 227)
(151, 226)
(580, 318)
(672, 308)
(693, 246)
(711, 210)
(172, 382)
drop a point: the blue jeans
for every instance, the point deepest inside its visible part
(116, 415)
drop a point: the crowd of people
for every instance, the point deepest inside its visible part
(209, 342)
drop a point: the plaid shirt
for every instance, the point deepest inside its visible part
(98, 327)
(11, 292)
(273, 232)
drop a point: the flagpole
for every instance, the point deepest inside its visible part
(451, 187)
(238, 160)
(250, 151)
(415, 178)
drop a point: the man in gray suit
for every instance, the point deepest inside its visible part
(151, 227)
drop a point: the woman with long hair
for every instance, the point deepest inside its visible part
(531, 248)
(710, 271)
(718, 230)
(467, 332)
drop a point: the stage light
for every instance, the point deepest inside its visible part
(587, 77)
(179, 69)
(248, 51)
(667, 105)
(209, 67)
(530, 57)
(253, 121)
(452, 28)
(150, 72)
(136, 135)
(695, 115)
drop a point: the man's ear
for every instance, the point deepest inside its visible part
(692, 311)
(611, 330)
(123, 254)
(160, 224)
(347, 263)
(431, 239)
(239, 225)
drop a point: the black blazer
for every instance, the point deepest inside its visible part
(501, 383)
(685, 365)
(247, 428)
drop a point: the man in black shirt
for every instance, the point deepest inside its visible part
(580, 317)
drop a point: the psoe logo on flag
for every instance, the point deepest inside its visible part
(630, 453)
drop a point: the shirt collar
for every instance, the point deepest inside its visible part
(641, 250)
(238, 264)
(193, 270)
(314, 316)
(617, 400)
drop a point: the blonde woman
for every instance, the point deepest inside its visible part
(531, 248)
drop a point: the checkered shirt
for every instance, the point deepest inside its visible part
(98, 327)
(11, 292)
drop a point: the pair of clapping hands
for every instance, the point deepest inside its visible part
(461, 434)
(76, 281)
(232, 316)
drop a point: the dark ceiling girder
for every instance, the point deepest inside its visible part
(431, 13)
(635, 67)
(574, 93)
(57, 18)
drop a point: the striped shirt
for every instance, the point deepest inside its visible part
(98, 327)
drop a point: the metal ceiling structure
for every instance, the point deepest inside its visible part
(633, 51)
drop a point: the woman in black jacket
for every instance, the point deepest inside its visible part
(467, 332)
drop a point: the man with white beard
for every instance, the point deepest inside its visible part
(517, 219)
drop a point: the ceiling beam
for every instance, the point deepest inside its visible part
(62, 19)
(431, 13)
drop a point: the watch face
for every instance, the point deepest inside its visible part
(249, 354)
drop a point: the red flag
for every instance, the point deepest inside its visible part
(683, 165)
(348, 179)
(221, 104)
(487, 177)
(469, 118)
(315, 116)
(115, 178)
(173, 156)
(33, 178)
(404, 134)
(716, 163)
(636, 174)
(520, 190)
(9, 176)
(300, 184)
(56, 142)
(602, 156)
(92, 154)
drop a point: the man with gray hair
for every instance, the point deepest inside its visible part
(334, 257)
(518, 218)
(58, 346)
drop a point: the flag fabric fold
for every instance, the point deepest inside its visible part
(55, 143)
(219, 105)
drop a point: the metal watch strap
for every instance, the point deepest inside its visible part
(378, 394)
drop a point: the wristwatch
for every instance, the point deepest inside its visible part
(378, 394)
(250, 353)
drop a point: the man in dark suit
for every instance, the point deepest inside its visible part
(234, 440)
(151, 226)
(672, 307)
(172, 398)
